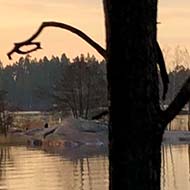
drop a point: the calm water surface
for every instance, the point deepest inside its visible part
(176, 160)
(24, 168)
(175, 167)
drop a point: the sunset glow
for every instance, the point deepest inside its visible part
(20, 19)
(175, 24)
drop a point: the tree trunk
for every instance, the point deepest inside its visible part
(135, 134)
(80, 89)
(188, 115)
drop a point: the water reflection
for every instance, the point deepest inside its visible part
(22, 168)
(175, 167)
(181, 122)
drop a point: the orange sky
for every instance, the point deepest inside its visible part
(20, 19)
(175, 23)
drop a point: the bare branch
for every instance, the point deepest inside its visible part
(163, 72)
(100, 115)
(18, 46)
(178, 103)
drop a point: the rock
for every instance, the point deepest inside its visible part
(34, 142)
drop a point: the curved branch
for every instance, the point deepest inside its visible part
(163, 72)
(100, 115)
(18, 46)
(178, 103)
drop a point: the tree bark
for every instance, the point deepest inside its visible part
(189, 116)
(135, 134)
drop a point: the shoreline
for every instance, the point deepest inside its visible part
(76, 134)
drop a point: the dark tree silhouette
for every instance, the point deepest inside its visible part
(136, 121)
(6, 119)
(136, 134)
(82, 88)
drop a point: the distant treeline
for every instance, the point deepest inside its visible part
(177, 78)
(76, 86)
(178, 63)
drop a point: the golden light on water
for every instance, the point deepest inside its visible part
(22, 168)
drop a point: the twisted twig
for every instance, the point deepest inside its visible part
(18, 46)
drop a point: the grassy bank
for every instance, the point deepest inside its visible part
(13, 140)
